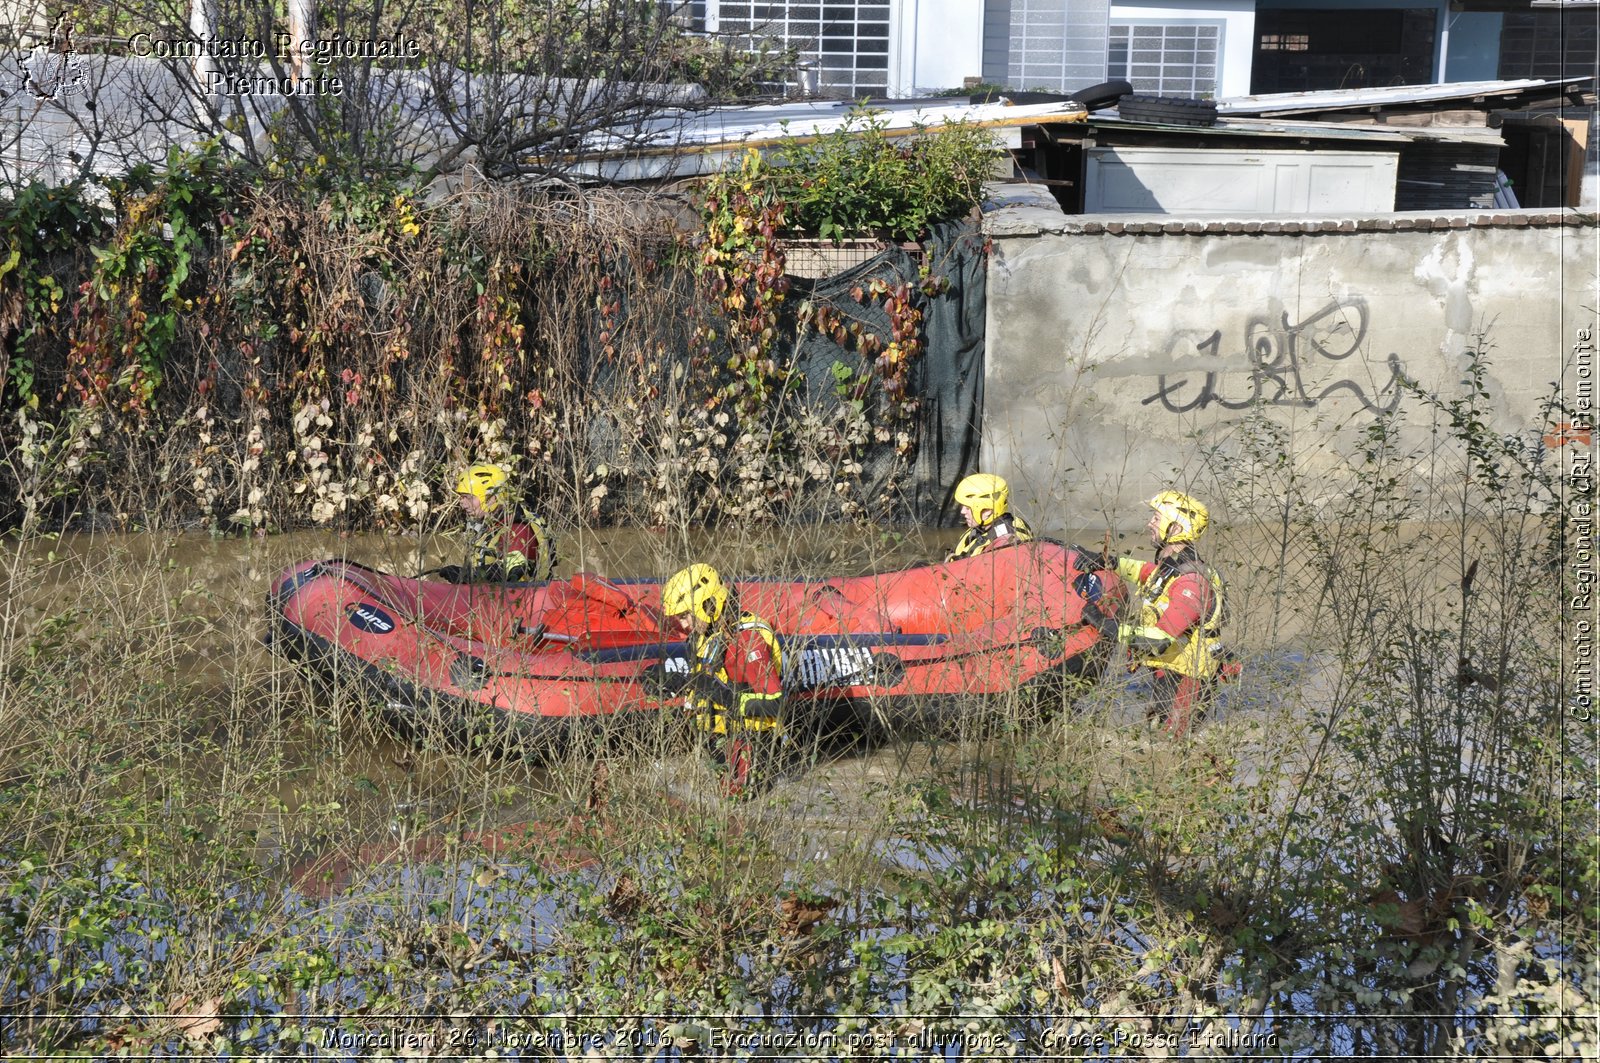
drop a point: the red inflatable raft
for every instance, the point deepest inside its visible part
(551, 655)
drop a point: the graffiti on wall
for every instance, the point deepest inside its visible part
(1282, 355)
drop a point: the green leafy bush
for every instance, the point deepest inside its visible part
(857, 180)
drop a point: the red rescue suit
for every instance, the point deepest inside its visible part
(736, 678)
(506, 550)
(1176, 632)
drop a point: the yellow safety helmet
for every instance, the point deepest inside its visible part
(483, 482)
(697, 589)
(1182, 519)
(984, 491)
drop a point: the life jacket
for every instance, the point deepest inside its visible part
(1198, 651)
(1004, 530)
(515, 549)
(752, 710)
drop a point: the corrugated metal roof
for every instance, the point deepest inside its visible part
(1336, 99)
(1266, 127)
(681, 144)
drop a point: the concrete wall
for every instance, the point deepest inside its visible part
(1119, 348)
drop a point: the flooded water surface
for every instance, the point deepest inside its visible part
(171, 773)
(191, 609)
(196, 605)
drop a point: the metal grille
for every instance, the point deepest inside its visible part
(1166, 58)
(1550, 44)
(848, 42)
(820, 259)
(1058, 45)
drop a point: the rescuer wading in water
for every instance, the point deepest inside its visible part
(1175, 630)
(735, 683)
(506, 542)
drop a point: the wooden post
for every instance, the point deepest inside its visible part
(1577, 149)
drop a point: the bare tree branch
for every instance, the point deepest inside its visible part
(385, 87)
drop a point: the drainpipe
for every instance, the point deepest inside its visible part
(1442, 59)
(907, 88)
(904, 15)
(203, 27)
(302, 32)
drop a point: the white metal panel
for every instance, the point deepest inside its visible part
(1336, 99)
(1333, 185)
(946, 38)
(1286, 181)
(1231, 181)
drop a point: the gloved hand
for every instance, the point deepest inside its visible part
(453, 574)
(659, 681)
(1131, 635)
(1107, 624)
(1094, 558)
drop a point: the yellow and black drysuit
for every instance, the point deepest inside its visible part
(736, 678)
(1175, 631)
(1004, 530)
(505, 551)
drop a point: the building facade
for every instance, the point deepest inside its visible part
(1194, 48)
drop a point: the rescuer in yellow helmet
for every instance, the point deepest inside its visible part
(506, 543)
(735, 681)
(985, 501)
(1176, 629)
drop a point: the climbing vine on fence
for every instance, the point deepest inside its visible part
(266, 348)
(130, 305)
(44, 236)
(888, 361)
(854, 181)
(741, 262)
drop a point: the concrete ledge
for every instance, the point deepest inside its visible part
(1030, 210)
(1020, 210)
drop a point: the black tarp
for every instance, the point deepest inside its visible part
(947, 378)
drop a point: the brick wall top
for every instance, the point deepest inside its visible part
(1034, 222)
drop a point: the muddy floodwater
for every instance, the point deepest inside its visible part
(200, 601)
(159, 750)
